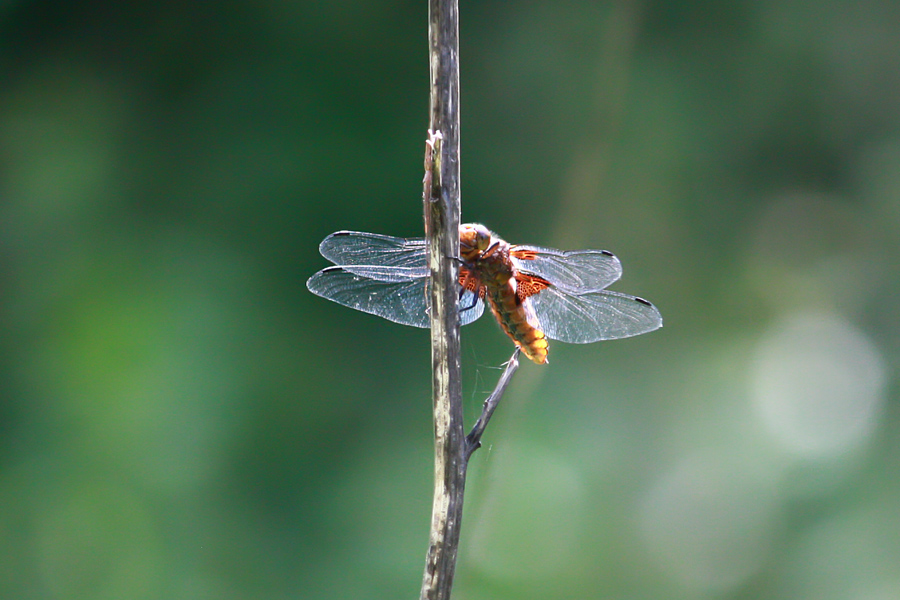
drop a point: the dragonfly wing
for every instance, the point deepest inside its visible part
(401, 298)
(360, 248)
(595, 316)
(397, 294)
(387, 274)
(575, 271)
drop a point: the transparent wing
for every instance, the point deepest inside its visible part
(397, 294)
(360, 248)
(575, 271)
(387, 274)
(595, 316)
(401, 299)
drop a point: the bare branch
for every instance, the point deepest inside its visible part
(473, 440)
(441, 200)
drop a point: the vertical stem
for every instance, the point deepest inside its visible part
(442, 232)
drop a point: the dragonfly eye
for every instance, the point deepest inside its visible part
(474, 237)
(482, 237)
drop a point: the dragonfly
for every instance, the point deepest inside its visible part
(534, 293)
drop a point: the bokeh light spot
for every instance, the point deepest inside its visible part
(818, 384)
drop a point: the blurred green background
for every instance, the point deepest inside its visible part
(181, 419)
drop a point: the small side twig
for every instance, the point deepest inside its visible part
(473, 440)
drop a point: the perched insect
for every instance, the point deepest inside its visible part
(535, 293)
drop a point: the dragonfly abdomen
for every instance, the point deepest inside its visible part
(518, 321)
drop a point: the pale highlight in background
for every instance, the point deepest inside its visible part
(818, 385)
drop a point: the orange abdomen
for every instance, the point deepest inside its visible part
(518, 321)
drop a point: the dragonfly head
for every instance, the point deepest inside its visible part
(474, 239)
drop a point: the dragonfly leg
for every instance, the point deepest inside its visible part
(462, 263)
(493, 248)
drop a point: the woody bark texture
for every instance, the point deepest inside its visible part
(441, 205)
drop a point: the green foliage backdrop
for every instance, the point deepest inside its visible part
(181, 419)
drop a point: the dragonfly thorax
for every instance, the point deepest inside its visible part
(485, 255)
